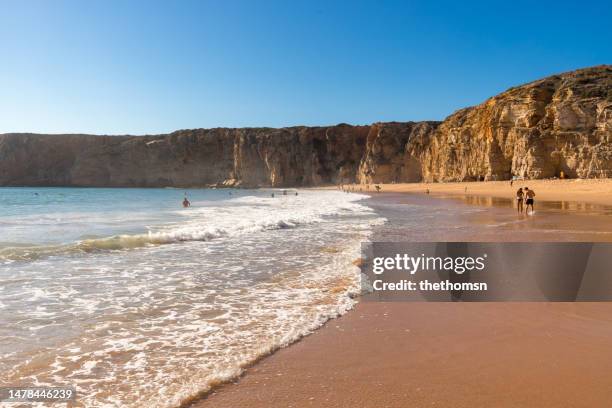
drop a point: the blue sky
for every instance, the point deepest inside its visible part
(117, 67)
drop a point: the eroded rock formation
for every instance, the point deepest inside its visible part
(558, 124)
(562, 123)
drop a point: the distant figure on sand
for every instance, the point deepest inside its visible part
(186, 202)
(377, 187)
(529, 202)
(519, 200)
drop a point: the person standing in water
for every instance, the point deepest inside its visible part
(529, 202)
(186, 202)
(519, 200)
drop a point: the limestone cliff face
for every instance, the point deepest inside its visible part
(297, 156)
(196, 158)
(560, 123)
(250, 157)
(394, 152)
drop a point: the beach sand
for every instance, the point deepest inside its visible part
(454, 354)
(440, 355)
(597, 191)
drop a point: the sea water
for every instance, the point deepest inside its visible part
(136, 301)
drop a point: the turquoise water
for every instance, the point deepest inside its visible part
(137, 301)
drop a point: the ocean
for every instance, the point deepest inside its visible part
(136, 301)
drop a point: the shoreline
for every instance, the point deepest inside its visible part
(594, 191)
(321, 369)
(438, 354)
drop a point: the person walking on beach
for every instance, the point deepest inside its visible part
(529, 201)
(519, 200)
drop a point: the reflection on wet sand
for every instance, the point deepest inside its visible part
(437, 217)
(575, 206)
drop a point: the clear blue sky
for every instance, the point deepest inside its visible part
(139, 67)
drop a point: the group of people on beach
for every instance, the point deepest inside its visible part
(526, 196)
(284, 193)
(187, 203)
(351, 188)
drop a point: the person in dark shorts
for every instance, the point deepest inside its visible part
(519, 200)
(530, 194)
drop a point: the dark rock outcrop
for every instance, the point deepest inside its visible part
(562, 123)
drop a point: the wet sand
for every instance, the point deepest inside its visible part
(449, 354)
(440, 354)
(596, 191)
(447, 217)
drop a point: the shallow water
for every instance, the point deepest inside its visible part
(433, 218)
(136, 301)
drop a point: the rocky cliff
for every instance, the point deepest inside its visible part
(294, 156)
(560, 123)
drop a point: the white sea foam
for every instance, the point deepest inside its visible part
(187, 304)
(239, 216)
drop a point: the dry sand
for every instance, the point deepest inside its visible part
(452, 354)
(597, 191)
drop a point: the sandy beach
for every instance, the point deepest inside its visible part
(454, 354)
(598, 191)
(440, 354)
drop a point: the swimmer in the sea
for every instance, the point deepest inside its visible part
(186, 202)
